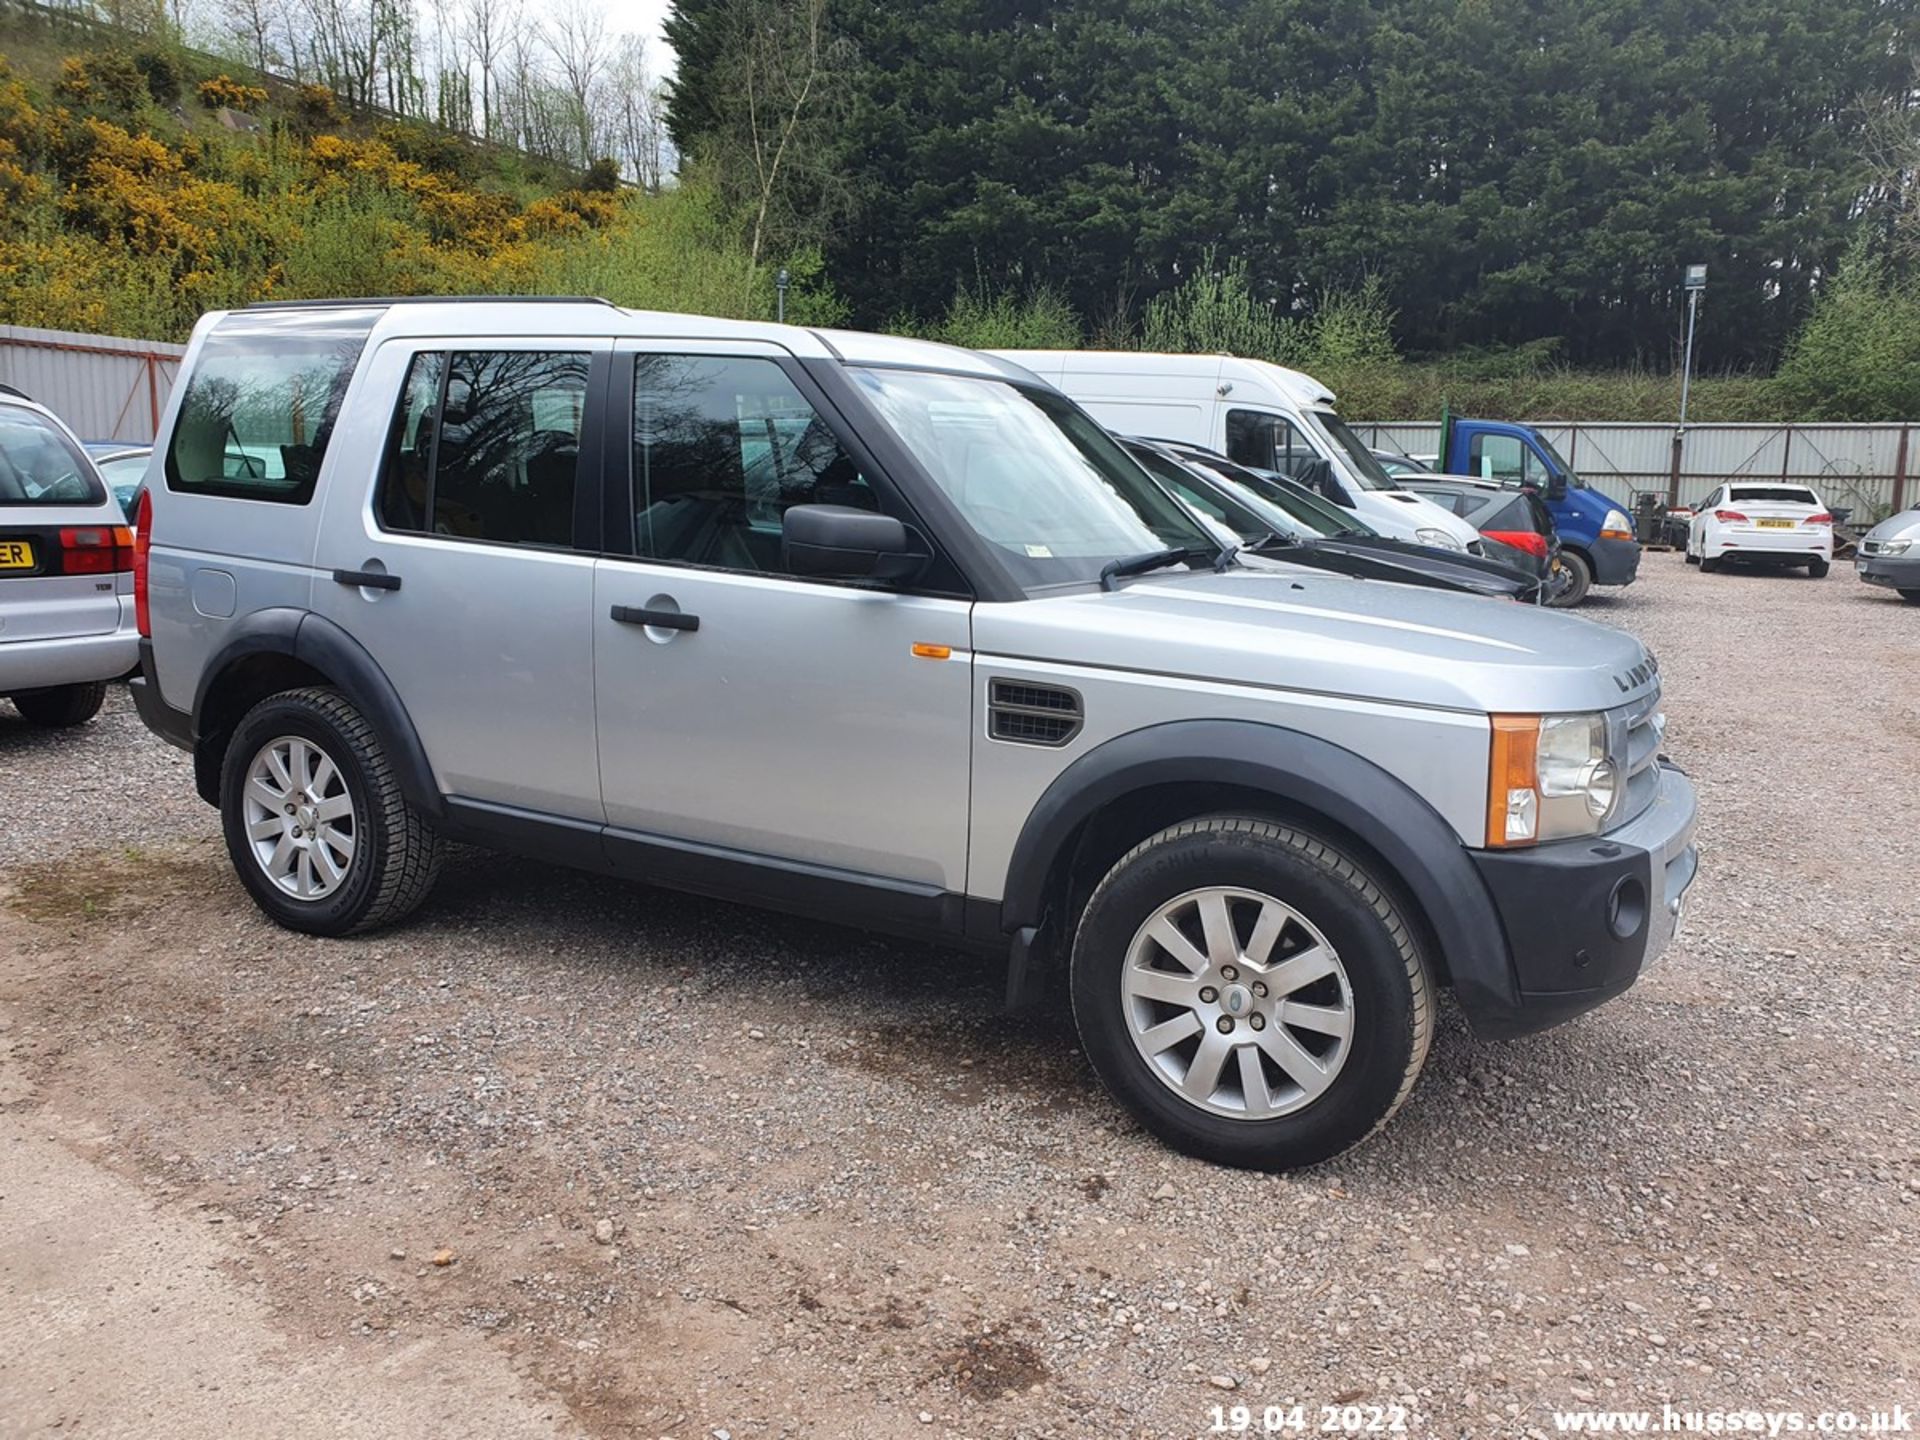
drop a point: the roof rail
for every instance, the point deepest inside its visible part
(364, 300)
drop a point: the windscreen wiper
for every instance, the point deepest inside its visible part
(1139, 564)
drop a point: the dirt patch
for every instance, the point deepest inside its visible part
(992, 1364)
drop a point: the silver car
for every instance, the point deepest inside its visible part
(1889, 555)
(66, 572)
(892, 634)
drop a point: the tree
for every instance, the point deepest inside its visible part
(576, 37)
(775, 91)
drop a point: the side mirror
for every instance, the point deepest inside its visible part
(1557, 487)
(841, 543)
(1317, 475)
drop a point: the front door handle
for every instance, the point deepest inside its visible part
(367, 579)
(659, 619)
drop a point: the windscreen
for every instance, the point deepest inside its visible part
(41, 466)
(1360, 461)
(1776, 494)
(1031, 473)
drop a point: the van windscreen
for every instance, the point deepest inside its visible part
(261, 402)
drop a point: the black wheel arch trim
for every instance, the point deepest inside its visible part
(1304, 773)
(317, 642)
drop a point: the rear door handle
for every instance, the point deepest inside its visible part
(367, 579)
(661, 619)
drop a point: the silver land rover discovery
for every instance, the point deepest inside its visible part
(888, 633)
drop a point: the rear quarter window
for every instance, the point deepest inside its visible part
(261, 404)
(41, 466)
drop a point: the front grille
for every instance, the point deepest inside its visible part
(1025, 714)
(1645, 727)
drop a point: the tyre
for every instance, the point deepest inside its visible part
(1580, 580)
(1912, 597)
(315, 821)
(1708, 563)
(1692, 559)
(1250, 994)
(61, 706)
(1818, 568)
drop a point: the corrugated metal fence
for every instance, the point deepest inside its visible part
(105, 387)
(1862, 467)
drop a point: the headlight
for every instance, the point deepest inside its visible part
(1616, 526)
(1438, 537)
(1550, 778)
(1895, 547)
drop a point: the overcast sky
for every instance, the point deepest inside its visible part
(641, 17)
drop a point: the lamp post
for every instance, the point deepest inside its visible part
(782, 280)
(1696, 282)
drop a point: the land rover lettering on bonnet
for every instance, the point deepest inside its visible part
(896, 635)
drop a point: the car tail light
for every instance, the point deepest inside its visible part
(1820, 519)
(1730, 517)
(1525, 540)
(142, 545)
(96, 550)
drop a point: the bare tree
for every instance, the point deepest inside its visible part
(634, 122)
(254, 23)
(784, 82)
(577, 38)
(487, 33)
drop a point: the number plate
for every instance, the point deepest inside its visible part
(16, 555)
(1775, 524)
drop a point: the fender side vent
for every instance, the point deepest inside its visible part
(1027, 714)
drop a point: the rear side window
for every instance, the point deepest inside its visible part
(39, 465)
(261, 404)
(486, 446)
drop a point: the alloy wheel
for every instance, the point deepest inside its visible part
(1237, 1003)
(299, 818)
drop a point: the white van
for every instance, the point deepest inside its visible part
(1259, 414)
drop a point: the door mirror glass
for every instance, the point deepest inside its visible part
(839, 542)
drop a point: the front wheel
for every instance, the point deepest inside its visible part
(1912, 597)
(61, 707)
(1250, 994)
(1579, 580)
(1818, 568)
(316, 824)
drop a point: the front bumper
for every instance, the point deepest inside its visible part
(1615, 562)
(1584, 918)
(74, 660)
(1896, 572)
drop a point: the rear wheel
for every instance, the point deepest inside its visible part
(1818, 568)
(316, 825)
(1579, 580)
(61, 706)
(1250, 994)
(1708, 563)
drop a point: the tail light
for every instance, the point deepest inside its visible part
(1534, 544)
(1821, 519)
(142, 545)
(96, 550)
(1730, 517)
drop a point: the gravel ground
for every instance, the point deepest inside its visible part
(696, 1171)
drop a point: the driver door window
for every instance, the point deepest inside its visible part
(1505, 457)
(1267, 442)
(722, 445)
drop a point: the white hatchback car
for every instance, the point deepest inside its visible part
(1765, 523)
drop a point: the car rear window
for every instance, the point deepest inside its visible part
(261, 403)
(41, 466)
(1778, 494)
